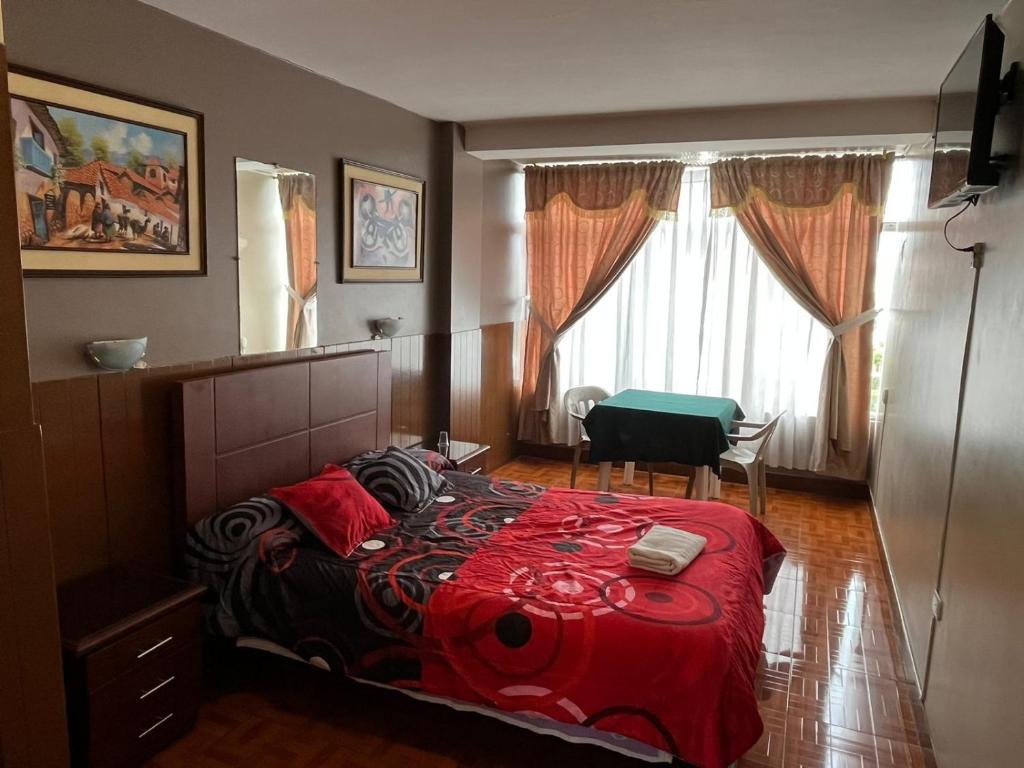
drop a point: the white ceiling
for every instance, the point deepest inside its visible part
(468, 60)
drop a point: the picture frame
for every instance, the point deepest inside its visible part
(382, 214)
(108, 184)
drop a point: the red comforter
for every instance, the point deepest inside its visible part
(547, 617)
(516, 597)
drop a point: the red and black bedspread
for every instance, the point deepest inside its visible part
(520, 598)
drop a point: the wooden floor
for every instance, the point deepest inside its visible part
(833, 686)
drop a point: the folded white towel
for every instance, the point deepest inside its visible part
(666, 550)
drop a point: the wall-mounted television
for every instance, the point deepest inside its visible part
(962, 164)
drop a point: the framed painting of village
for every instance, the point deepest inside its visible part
(107, 184)
(382, 225)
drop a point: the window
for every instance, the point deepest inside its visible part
(698, 312)
(37, 134)
(898, 210)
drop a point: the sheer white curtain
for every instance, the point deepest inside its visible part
(697, 312)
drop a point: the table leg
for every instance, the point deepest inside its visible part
(714, 486)
(604, 475)
(627, 474)
(701, 482)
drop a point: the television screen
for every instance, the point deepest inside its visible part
(968, 102)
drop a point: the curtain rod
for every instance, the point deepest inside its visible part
(705, 159)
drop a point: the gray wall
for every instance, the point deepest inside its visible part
(975, 672)
(467, 193)
(488, 240)
(924, 355)
(256, 107)
(503, 243)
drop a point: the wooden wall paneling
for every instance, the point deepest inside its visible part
(426, 350)
(402, 394)
(433, 397)
(408, 376)
(458, 418)
(135, 532)
(475, 384)
(250, 361)
(156, 487)
(108, 443)
(384, 400)
(199, 490)
(498, 393)
(465, 385)
(69, 414)
(399, 388)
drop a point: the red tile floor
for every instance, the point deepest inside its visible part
(833, 687)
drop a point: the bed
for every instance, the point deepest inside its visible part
(506, 598)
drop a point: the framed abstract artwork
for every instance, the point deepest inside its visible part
(382, 225)
(106, 184)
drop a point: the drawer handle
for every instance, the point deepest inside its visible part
(156, 725)
(156, 687)
(149, 650)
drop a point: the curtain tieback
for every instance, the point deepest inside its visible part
(298, 298)
(540, 319)
(856, 322)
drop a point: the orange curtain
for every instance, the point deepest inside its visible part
(298, 200)
(815, 222)
(584, 224)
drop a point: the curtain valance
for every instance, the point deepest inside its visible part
(297, 186)
(801, 182)
(606, 186)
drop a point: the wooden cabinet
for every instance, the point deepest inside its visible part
(132, 664)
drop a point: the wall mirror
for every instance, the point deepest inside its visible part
(276, 257)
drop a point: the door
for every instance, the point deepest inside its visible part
(39, 218)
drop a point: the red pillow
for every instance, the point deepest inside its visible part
(336, 508)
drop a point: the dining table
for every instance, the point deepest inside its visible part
(642, 425)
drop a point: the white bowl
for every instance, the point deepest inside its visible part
(117, 354)
(388, 326)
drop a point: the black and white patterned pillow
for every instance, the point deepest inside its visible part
(219, 544)
(432, 459)
(399, 480)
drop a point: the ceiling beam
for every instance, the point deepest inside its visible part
(771, 127)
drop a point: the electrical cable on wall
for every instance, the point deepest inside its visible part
(972, 200)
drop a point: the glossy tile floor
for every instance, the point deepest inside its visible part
(833, 687)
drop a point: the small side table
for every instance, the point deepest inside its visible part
(132, 646)
(468, 457)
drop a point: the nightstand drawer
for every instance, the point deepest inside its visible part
(474, 465)
(132, 644)
(137, 712)
(467, 457)
(154, 641)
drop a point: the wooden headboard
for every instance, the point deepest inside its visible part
(240, 433)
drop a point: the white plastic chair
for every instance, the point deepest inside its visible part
(578, 402)
(748, 453)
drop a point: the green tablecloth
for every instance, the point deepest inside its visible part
(637, 425)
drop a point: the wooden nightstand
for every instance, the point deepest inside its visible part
(132, 664)
(468, 457)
